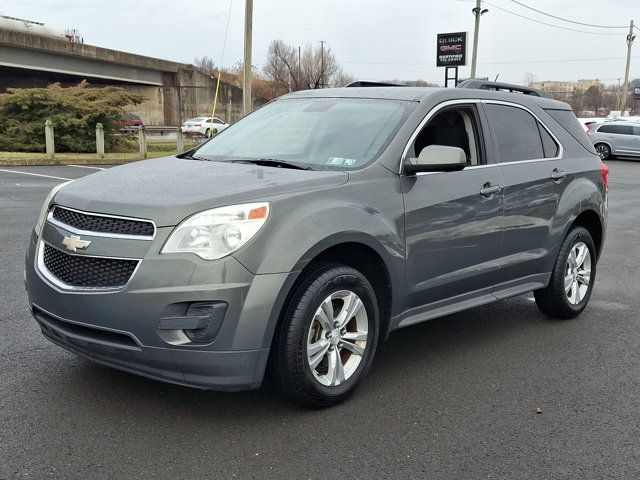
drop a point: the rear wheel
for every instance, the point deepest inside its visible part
(207, 133)
(327, 339)
(571, 283)
(603, 150)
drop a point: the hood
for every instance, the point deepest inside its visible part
(167, 190)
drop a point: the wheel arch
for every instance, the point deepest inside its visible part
(590, 220)
(356, 250)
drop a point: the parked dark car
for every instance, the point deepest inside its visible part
(300, 237)
(130, 120)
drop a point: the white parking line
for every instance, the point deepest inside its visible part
(35, 174)
(86, 166)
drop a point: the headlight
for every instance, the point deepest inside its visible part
(216, 233)
(45, 207)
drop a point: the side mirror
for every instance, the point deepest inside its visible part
(436, 158)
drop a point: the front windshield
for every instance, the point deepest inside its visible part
(321, 133)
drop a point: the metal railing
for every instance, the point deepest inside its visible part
(140, 132)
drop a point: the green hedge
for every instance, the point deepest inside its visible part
(73, 111)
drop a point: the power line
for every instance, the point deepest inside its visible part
(490, 63)
(550, 24)
(565, 19)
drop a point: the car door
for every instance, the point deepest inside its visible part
(635, 142)
(452, 220)
(528, 157)
(618, 136)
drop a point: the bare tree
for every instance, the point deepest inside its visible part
(530, 78)
(206, 65)
(593, 97)
(282, 67)
(314, 68)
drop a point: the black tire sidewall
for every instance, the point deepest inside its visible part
(306, 304)
(575, 236)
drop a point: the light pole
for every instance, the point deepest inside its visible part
(630, 38)
(478, 11)
(248, 26)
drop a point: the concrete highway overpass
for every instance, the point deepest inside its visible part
(173, 91)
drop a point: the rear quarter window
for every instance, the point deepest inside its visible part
(568, 121)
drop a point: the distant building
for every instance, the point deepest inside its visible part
(565, 87)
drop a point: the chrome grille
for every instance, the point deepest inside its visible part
(103, 224)
(87, 272)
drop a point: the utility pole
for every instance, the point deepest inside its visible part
(299, 65)
(248, 28)
(322, 42)
(478, 11)
(630, 38)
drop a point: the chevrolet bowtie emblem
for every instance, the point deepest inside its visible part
(75, 243)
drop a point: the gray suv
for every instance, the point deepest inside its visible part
(616, 138)
(295, 241)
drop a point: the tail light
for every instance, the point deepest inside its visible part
(604, 171)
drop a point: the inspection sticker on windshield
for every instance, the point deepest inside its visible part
(342, 161)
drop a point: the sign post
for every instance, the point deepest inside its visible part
(636, 97)
(451, 54)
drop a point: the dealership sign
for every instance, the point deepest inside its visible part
(636, 92)
(452, 49)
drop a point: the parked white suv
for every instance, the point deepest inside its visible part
(206, 126)
(616, 138)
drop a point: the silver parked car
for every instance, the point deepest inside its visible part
(616, 138)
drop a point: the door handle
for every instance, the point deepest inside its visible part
(558, 174)
(489, 190)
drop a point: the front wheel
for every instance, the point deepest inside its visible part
(571, 283)
(603, 150)
(327, 338)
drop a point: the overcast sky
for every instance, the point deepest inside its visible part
(372, 39)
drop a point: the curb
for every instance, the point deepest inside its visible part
(29, 162)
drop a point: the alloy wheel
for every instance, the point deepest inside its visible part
(337, 338)
(578, 273)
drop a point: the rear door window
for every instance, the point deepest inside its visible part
(516, 133)
(548, 143)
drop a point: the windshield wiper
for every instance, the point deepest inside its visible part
(273, 162)
(189, 156)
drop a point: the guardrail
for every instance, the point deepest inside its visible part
(141, 132)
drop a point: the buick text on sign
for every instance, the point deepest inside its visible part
(452, 49)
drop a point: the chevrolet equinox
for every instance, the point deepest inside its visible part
(297, 239)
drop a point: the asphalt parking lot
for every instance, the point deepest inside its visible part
(494, 392)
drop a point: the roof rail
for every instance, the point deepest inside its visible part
(363, 83)
(485, 85)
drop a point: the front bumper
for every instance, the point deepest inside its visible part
(120, 328)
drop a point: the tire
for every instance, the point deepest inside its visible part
(207, 133)
(304, 330)
(603, 150)
(575, 265)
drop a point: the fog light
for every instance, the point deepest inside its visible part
(201, 324)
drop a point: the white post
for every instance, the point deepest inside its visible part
(49, 139)
(142, 141)
(180, 141)
(100, 140)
